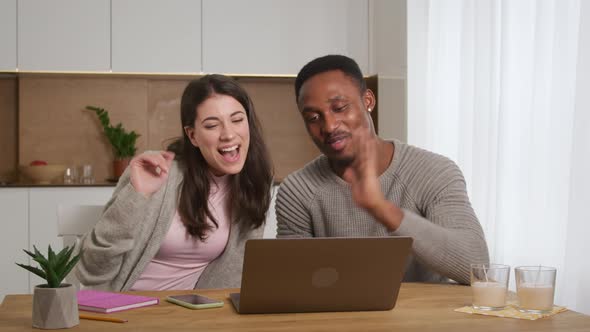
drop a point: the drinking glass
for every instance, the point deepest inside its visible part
(71, 175)
(87, 177)
(535, 288)
(489, 284)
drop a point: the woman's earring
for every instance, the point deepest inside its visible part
(370, 109)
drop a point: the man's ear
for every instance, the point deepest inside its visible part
(369, 100)
(190, 132)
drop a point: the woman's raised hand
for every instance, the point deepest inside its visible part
(149, 171)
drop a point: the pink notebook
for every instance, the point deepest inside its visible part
(105, 302)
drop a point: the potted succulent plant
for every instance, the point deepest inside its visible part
(55, 305)
(122, 141)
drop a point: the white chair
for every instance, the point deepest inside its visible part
(270, 226)
(73, 221)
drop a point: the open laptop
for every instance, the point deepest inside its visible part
(321, 274)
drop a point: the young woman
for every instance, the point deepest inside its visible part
(179, 219)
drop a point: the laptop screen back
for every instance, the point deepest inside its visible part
(322, 274)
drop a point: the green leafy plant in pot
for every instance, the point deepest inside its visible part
(55, 305)
(122, 141)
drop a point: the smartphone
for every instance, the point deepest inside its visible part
(194, 301)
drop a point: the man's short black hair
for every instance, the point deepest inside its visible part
(328, 63)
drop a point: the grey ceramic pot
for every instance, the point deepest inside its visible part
(55, 308)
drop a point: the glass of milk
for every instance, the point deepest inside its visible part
(535, 288)
(489, 285)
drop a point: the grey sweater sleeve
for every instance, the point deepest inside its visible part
(105, 246)
(293, 217)
(448, 238)
(429, 188)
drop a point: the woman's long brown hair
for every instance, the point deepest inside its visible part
(249, 192)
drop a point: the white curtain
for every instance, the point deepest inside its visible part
(502, 88)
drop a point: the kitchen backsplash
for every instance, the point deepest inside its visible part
(53, 125)
(8, 127)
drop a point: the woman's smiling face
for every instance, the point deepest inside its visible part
(221, 133)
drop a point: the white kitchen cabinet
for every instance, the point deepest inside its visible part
(64, 35)
(14, 205)
(156, 36)
(388, 60)
(43, 203)
(8, 35)
(279, 37)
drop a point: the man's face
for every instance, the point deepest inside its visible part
(333, 108)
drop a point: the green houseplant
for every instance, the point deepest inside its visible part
(55, 305)
(122, 141)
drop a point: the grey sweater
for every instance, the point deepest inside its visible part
(315, 202)
(129, 234)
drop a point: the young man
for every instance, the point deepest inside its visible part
(365, 186)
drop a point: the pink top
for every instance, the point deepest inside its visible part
(181, 259)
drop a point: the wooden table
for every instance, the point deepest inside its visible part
(420, 307)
